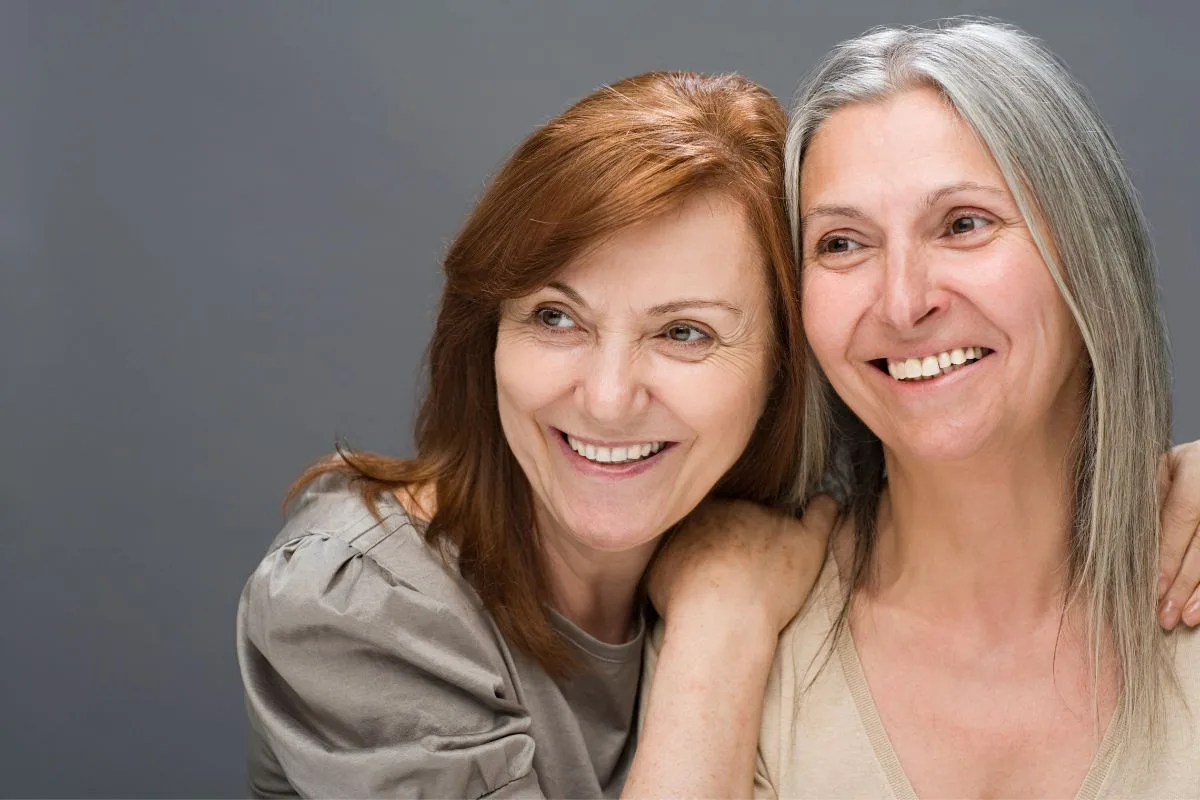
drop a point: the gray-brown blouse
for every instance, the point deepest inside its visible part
(372, 670)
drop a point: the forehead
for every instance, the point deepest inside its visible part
(703, 247)
(911, 141)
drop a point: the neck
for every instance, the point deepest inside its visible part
(986, 541)
(596, 590)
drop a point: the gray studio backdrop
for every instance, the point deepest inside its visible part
(220, 227)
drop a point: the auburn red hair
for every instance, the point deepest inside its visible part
(626, 153)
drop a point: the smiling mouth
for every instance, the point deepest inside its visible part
(615, 455)
(931, 366)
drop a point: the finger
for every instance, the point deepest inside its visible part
(1180, 514)
(1191, 611)
(1182, 588)
(820, 515)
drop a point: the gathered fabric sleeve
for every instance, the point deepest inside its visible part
(360, 684)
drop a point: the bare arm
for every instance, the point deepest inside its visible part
(705, 707)
(726, 586)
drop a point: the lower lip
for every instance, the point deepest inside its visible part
(629, 469)
(935, 383)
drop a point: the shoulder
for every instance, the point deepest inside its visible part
(803, 651)
(805, 640)
(329, 525)
(369, 665)
(1168, 766)
(339, 570)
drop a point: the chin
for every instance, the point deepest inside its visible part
(940, 444)
(613, 531)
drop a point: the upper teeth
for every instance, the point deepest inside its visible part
(908, 369)
(614, 455)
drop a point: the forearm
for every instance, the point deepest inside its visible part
(705, 706)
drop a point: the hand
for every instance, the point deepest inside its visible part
(1179, 504)
(733, 554)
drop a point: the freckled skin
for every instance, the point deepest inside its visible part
(601, 366)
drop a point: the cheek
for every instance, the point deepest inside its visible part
(827, 307)
(720, 401)
(1019, 295)
(1058, 336)
(528, 379)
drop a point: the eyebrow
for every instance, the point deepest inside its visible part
(938, 195)
(830, 211)
(673, 307)
(930, 200)
(573, 295)
(676, 306)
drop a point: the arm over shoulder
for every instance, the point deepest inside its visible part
(360, 684)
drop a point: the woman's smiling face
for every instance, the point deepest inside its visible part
(925, 298)
(630, 384)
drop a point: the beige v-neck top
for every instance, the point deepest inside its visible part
(829, 742)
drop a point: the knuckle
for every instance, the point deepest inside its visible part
(1173, 548)
(1182, 515)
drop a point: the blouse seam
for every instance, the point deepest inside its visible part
(351, 544)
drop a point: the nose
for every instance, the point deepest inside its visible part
(909, 294)
(612, 390)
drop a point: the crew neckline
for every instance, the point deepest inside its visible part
(604, 651)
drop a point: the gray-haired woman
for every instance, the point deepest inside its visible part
(978, 292)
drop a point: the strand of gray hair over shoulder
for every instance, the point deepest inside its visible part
(1074, 192)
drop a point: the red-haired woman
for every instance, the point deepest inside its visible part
(618, 338)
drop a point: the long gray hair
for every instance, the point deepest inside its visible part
(1074, 193)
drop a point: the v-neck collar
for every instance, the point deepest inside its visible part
(868, 715)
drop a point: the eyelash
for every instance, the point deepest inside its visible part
(969, 214)
(536, 317)
(705, 339)
(705, 336)
(822, 244)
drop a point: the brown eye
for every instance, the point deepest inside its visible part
(685, 333)
(837, 245)
(967, 224)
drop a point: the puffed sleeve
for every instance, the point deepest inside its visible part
(362, 685)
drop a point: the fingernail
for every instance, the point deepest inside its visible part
(1169, 615)
(1191, 614)
(1163, 583)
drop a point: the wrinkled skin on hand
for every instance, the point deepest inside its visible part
(1179, 496)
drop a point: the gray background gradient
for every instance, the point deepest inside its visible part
(220, 226)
